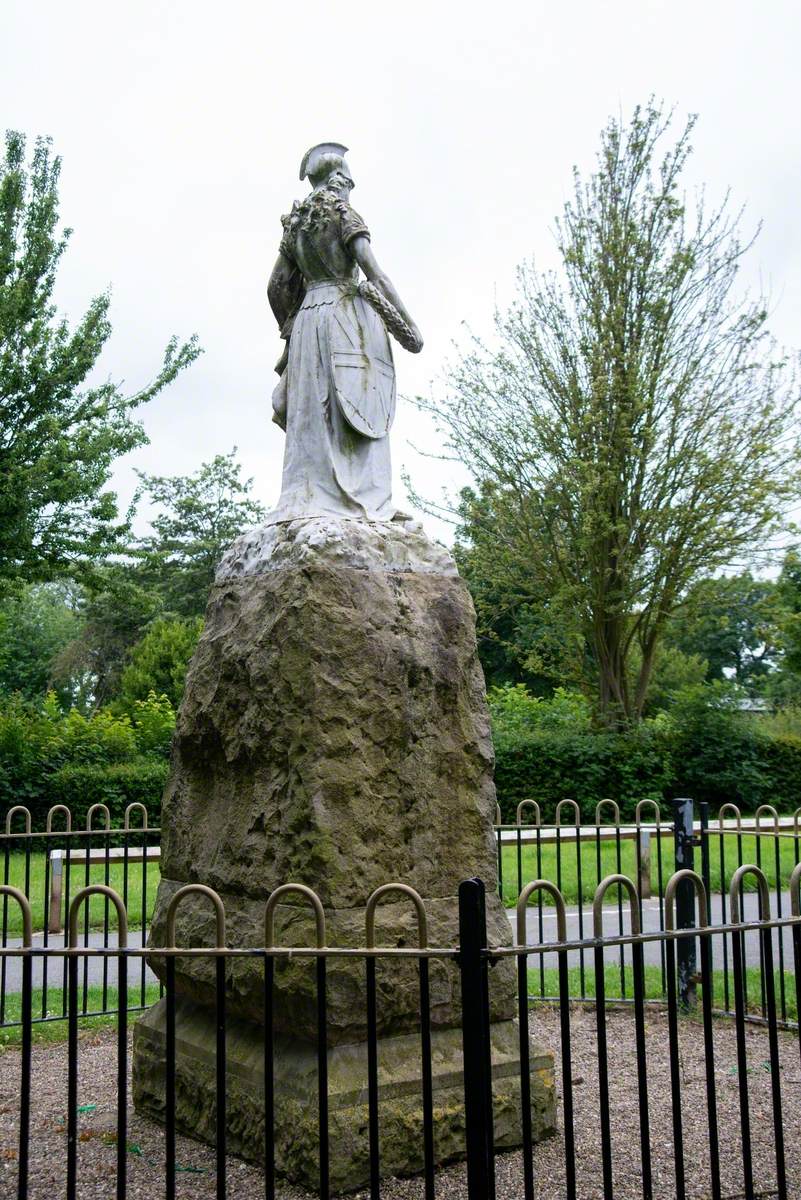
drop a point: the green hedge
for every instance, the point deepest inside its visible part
(717, 763)
(52, 757)
(117, 785)
(548, 766)
(703, 747)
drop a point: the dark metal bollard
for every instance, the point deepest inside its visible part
(476, 1041)
(685, 901)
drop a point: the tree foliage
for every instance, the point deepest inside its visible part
(158, 664)
(734, 623)
(36, 623)
(59, 433)
(197, 517)
(634, 428)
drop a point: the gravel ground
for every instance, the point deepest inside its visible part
(197, 1179)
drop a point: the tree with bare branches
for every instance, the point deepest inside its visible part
(634, 428)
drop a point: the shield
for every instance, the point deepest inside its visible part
(361, 366)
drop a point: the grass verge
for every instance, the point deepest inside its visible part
(49, 1031)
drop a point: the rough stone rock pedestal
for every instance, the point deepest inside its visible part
(334, 732)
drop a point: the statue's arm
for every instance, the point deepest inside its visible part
(283, 291)
(362, 251)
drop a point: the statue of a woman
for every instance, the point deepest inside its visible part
(336, 394)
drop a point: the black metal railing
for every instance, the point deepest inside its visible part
(762, 1163)
(49, 866)
(577, 857)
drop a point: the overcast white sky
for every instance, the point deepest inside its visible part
(182, 124)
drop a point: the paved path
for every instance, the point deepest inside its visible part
(578, 925)
(577, 922)
(56, 970)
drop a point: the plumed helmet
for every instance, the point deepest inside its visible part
(321, 160)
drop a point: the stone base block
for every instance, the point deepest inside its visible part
(296, 1128)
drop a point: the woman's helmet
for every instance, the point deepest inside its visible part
(322, 160)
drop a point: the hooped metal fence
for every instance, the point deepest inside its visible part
(577, 857)
(49, 866)
(607, 1063)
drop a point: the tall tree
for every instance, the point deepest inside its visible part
(634, 428)
(114, 611)
(36, 624)
(196, 518)
(734, 623)
(59, 435)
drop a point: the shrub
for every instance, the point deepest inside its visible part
(160, 661)
(704, 748)
(782, 764)
(586, 767)
(154, 722)
(46, 754)
(80, 785)
(719, 753)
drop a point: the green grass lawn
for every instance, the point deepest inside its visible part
(548, 867)
(97, 874)
(653, 986)
(56, 1031)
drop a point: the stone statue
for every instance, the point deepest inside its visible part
(334, 732)
(336, 394)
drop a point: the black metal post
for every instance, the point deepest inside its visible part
(476, 1041)
(685, 900)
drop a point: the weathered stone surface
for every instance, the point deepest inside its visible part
(334, 732)
(295, 1001)
(296, 1115)
(397, 545)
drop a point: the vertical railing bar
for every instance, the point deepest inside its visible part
(372, 1078)
(567, 1078)
(142, 977)
(269, 1078)
(169, 1089)
(72, 1076)
(220, 1063)
(122, 1070)
(741, 936)
(322, 1077)
(675, 1071)
(638, 965)
(762, 991)
(25, 1075)
(742, 1062)
(603, 1073)
(580, 890)
(709, 1061)
(6, 878)
(107, 881)
(779, 914)
(87, 908)
(722, 855)
(67, 869)
(619, 869)
(683, 829)
(797, 966)
(427, 1080)
(766, 936)
(45, 922)
(525, 1076)
(475, 1041)
(540, 916)
(660, 891)
(519, 858)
